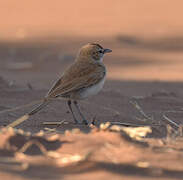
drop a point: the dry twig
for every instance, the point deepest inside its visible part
(137, 106)
(170, 121)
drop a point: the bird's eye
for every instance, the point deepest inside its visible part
(100, 51)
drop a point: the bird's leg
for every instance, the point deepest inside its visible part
(70, 108)
(77, 107)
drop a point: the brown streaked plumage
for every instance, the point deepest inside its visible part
(85, 77)
(80, 75)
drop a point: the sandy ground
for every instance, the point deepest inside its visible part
(145, 67)
(39, 64)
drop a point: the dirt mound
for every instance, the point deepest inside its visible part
(76, 155)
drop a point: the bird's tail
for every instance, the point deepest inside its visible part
(22, 106)
(26, 116)
(38, 108)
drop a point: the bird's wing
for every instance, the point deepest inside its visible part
(55, 85)
(77, 76)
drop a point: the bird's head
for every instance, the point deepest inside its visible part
(93, 51)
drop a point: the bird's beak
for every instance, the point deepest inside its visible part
(107, 51)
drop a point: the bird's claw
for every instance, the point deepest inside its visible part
(85, 122)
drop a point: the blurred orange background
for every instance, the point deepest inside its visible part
(145, 35)
(90, 18)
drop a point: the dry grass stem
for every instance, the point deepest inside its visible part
(137, 106)
(54, 123)
(18, 121)
(170, 121)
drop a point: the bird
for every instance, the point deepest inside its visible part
(85, 77)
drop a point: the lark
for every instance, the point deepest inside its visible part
(84, 78)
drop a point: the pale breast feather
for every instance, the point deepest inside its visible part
(92, 90)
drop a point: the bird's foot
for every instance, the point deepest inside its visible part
(85, 122)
